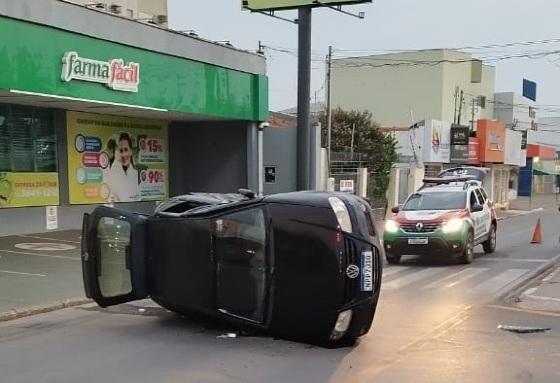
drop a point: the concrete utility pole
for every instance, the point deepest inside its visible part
(461, 100)
(329, 110)
(304, 93)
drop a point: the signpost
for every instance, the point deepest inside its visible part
(304, 7)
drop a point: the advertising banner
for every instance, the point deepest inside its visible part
(492, 136)
(459, 144)
(28, 189)
(437, 139)
(513, 148)
(474, 151)
(116, 159)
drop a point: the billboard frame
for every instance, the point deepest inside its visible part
(310, 4)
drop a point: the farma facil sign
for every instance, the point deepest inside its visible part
(113, 73)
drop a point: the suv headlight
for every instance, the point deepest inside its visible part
(453, 225)
(391, 226)
(341, 213)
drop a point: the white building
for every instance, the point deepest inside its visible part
(412, 86)
(150, 11)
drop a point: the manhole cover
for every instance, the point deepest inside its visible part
(45, 246)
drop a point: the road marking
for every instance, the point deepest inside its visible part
(393, 270)
(456, 278)
(18, 273)
(41, 255)
(513, 260)
(48, 239)
(411, 278)
(42, 246)
(497, 282)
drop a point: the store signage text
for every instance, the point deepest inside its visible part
(113, 73)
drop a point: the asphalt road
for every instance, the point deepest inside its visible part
(436, 322)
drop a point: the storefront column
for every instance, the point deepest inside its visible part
(252, 156)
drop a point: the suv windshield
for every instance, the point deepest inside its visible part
(436, 201)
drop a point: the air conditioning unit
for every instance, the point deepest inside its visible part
(116, 9)
(160, 19)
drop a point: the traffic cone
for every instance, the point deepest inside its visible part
(537, 237)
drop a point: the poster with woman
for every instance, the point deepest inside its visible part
(116, 159)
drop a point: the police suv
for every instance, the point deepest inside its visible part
(449, 215)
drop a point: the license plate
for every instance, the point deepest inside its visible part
(366, 274)
(418, 241)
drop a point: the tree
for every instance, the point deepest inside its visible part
(378, 148)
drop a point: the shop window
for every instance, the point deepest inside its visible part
(27, 140)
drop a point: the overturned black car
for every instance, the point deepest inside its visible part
(303, 266)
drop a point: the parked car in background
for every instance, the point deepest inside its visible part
(449, 216)
(303, 266)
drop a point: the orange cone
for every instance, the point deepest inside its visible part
(537, 233)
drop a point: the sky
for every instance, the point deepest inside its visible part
(390, 25)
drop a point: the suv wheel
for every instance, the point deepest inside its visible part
(392, 259)
(468, 253)
(490, 244)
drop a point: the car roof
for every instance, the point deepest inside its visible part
(443, 188)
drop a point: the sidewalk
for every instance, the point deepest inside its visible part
(39, 272)
(544, 295)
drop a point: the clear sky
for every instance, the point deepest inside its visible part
(391, 25)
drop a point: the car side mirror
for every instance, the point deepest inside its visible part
(395, 209)
(477, 208)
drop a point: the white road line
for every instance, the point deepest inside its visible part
(513, 260)
(497, 282)
(48, 239)
(456, 278)
(18, 273)
(393, 270)
(42, 255)
(411, 278)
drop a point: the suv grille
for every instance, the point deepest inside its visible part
(426, 227)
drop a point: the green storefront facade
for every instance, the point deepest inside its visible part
(72, 103)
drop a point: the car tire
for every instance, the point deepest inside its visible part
(392, 259)
(490, 244)
(468, 252)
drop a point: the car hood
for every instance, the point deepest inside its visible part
(428, 215)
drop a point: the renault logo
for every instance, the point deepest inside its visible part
(419, 226)
(352, 271)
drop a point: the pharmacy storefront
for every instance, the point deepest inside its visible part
(85, 121)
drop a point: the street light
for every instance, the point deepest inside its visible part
(534, 160)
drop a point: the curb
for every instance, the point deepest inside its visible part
(41, 309)
(515, 288)
(520, 214)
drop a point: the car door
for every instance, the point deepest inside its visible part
(487, 212)
(240, 245)
(476, 215)
(114, 256)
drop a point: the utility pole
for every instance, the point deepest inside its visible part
(329, 111)
(461, 100)
(304, 92)
(474, 109)
(456, 96)
(352, 142)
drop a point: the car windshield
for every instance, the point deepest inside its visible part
(436, 201)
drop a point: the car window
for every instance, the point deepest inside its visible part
(240, 246)
(484, 194)
(436, 201)
(480, 196)
(473, 200)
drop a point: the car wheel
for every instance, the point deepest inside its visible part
(490, 244)
(392, 259)
(468, 253)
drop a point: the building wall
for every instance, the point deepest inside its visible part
(280, 150)
(459, 75)
(394, 86)
(207, 157)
